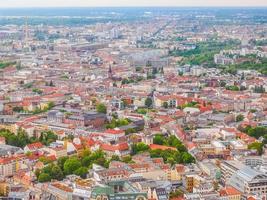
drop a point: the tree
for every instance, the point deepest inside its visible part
(44, 177)
(101, 108)
(141, 111)
(239, 118)
(115, 158)
(232, 88)
(101, 161)
(71, 165)
(48, 137)
(37, 172)
(57, 173)
(187, 158)
(45, 160)
(257, 146)
(48, 169)
(158, 139)
(257, 132)
(165, 105)
(139, 148)
(18, 109)
(127, 159)
(148, 102)
(82, 172)
(61, 161)
(86, 152)
(176, 193)
(51, 84)
(86, 161)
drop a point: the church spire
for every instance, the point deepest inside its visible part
(110, 71)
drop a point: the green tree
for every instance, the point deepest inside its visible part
(127, 159)
(148, 102)
(37, 172)
(165, 105)
(44, 177)
(158, 139)
(101, 161)
(82, 172)
(101, 108)
(61, 161)
(257, 146)
(86, 152)
(57, 173)
(187, 158)
(140, 147)
(18, 109)
(239, 118)
(115, 158)
(256, 132)
(44, 160)
(71, 165)
(47, 137)
(232, 88)
(48, 169)
(87, 161)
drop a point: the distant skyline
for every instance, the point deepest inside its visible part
(130, 3)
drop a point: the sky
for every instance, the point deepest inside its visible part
(110, 3)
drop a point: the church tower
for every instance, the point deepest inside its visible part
(110, 73)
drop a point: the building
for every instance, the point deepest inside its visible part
(10, 165)
(231, 193)
(228, 168)
(248, 180)
(88, 119)
(114, 190)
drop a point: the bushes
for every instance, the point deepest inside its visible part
(47, 137)
(72, 165)
(139, 148)
(117, 123)
(101, 108)
(19, 140)
(172, 157)
(204, 52)
(22, 139)
(256, 132)
(232, 88)
(257, 146)
(44, 177)
(169, 156)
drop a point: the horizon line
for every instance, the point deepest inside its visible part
(229, 6)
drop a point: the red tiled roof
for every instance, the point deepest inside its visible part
(35, 146)
(119, 147)
(229, 191)
(190, 145)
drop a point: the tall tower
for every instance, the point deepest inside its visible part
(26, 31)
(110, 74)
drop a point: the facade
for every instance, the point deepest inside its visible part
(228, 168)
(248, 180)
(117, 190)
(9, 166)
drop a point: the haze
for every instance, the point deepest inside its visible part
(114, 3)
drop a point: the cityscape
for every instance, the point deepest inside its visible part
(133, 103)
